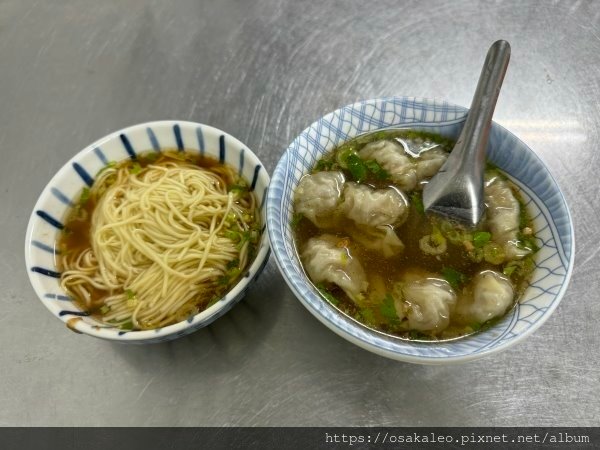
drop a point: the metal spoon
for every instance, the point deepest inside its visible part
(456, 191)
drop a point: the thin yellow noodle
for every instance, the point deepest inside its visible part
(157, 250)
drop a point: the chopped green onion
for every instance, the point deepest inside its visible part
(509, 270)
(105, 309)
(343, 154)
(378, 171)
(493, 253)
(110, 165)
(212, 301)
(233, 235)
(454, 277)
(480, 238)
(244, 237)
(151, 156)
(131, 299)
(521, 268)
(433, 244)
(417, 201)
(323, 164)
(237, 188)
(233, 273)
(455, 236)
(127, 326)
(136, 168)
(357, 167)
(446, 226)
(84, 197)
(528, 266)
(368, 316)
(233, 264)
(524, 220)
(414, 334)
(343, 255)
(527, 242)
(476, 255)
(326, 294)
(475, 326)
(296, 219)
(388, 309)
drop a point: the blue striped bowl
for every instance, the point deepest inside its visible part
(52, 206)
(544, 200)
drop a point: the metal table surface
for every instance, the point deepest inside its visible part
(72, 71)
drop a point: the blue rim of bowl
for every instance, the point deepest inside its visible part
(348, 328)
(178, 329)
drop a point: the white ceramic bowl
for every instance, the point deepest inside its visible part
(545, 202)
(51, 208)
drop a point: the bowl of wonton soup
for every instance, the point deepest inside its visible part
(304, 265)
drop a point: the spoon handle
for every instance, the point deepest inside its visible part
(456, 191)
(475, 133)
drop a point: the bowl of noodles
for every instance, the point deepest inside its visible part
(149, 233)
(352, 239)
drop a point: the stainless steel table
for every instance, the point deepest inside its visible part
(263, 70)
